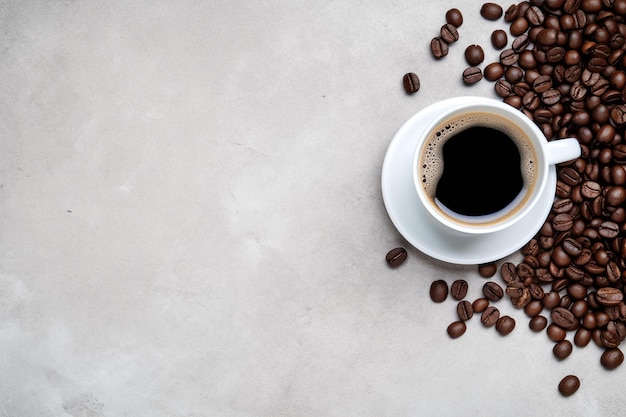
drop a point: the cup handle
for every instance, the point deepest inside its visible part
(562, 150)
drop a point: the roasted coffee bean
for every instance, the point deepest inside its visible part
(612, 358)
(609, 230)
(464, 310)
(480, 304)
(504, 88)
(613, 272)
(531, 101)
(458, 289)
(609, 339)
(576, 290)
(456, 329)
(508, 272)
(562, 222)
(454, 17)
(472, 75)
(555, 332)
(547, 37)
(511, 13)
(551, 300)
(618, 115)
(474, 55)
(535, 16)
(487, 270)
(490, 316)
(524, 271)
(590, 189)
(438, 47)
(531, 248)
(564, 318)
(562, 349)
(542, 83)
(569, 385)
(499, 39)
(536, 291)
(449, 33)
(580, 308)
(574, 273)
(520, 43)
(538, 323)
(533, 308)
(582, 337)
(515, 289)
(411, 83)
(609, 296)
(508, 57)
(519, 26)
(616, 196)
(562, 205)
(523, 300)
(542, 116)
(494, 71)
(396, 257)
(513, 74)
(439, 291)
(492, 291)
(505, 325)
(551, 96)
(491, 11)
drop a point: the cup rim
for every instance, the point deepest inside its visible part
(528, 126)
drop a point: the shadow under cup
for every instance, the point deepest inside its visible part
(488, 161)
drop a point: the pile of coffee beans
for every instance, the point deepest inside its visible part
(566, 70)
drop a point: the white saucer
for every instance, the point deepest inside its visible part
(416, 225)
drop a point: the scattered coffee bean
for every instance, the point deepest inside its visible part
(493, 291)
(564, 318)
(456, 329)
(569, 385)
(472, 75)
(491, 11)
(562, 349)
(493, 71)
(612, 358)
(508, 272)
(439, 48)
(458, 289)
(499, 39)
(464, 310)
(508, 57)
(396, 257)
(411, 83)
(449, 33)
(555, 332)
(480, 304)
(538, 323)
(474, 55)
(487, 270)
(505, 325)
(490, 316)
(439, 291)
(454, 17)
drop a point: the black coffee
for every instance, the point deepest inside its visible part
(481, 173)
(474, 165)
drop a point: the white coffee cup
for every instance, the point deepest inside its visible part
(537, 155)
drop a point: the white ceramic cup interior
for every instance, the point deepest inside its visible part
(546, 154)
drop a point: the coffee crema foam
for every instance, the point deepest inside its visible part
(431, 167)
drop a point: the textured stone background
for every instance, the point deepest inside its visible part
(191, 221)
